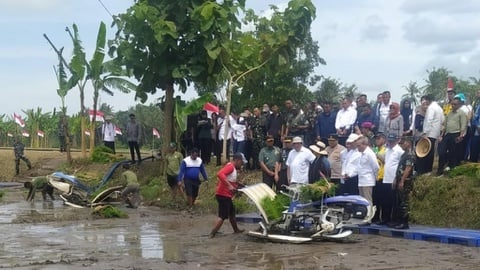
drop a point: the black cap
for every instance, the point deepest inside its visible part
(333, 136)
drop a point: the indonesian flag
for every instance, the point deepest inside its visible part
(156, 133)
(9, 134)
(99, 115)
(210, 108)
(40, 133)
(25, 134)
(18, 119)
(118, 131)
(87, 132)
(450, 85)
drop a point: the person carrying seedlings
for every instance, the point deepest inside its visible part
(131, 192)
(18, 149)
(39, 183)
(189, 175)
(226, 187)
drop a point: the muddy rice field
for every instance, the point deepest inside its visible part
(51, 235)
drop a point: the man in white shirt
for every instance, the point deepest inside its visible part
(349, 181)
(386, 194)
(346, 117)
(432, 126)
(108, 133)
(367, 168)
(298, 162)
(383, 111)
(221, 125)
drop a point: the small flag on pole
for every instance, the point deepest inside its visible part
(156, 133)
(18, 119)
(118, 131)
(87, 132)
(25, 134)
(40, 133)
(9, 134)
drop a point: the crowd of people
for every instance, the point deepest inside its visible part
(365, 149)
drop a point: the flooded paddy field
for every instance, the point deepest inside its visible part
(50, 235)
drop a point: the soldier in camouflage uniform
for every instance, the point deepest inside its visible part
(257, 134)
(311, 116)
(18, 149)
(403, 184)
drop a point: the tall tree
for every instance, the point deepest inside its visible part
(167, 43)
(246, 53)
(413, 93)
(328, 91)
(436, 83)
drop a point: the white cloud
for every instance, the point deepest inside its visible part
(375, 29)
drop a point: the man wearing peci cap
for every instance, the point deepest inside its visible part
(335, 150)
(268, 158)
(298, 162)
(227, 184)
(134, 137)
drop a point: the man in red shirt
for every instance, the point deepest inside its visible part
(226, 186)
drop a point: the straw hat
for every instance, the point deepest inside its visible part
(423, 147)
(317, 151)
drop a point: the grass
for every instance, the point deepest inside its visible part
(447, 201)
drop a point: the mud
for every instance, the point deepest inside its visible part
(49, 235)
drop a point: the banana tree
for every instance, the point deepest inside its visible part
(105, 76)
(36, 119)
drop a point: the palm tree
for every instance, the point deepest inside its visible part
(436, 83)
(413, 93)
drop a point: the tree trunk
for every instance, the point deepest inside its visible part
(227, 120)
(167, 124)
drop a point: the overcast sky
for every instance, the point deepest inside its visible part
(377, 45)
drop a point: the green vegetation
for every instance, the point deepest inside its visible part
(448, 201)
(102, 154)
(108, 211)
(316, 191)
(274, 208)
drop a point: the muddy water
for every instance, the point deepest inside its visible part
(53, 236)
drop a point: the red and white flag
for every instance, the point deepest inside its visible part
(118, 131)
(450, 85)
(87, 132)
(156, 133)
(18, 119)
(9, 134)
(25, 134)
(40, 133)
(98, 117)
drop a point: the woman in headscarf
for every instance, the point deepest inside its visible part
(406, 112)
(394, 123)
